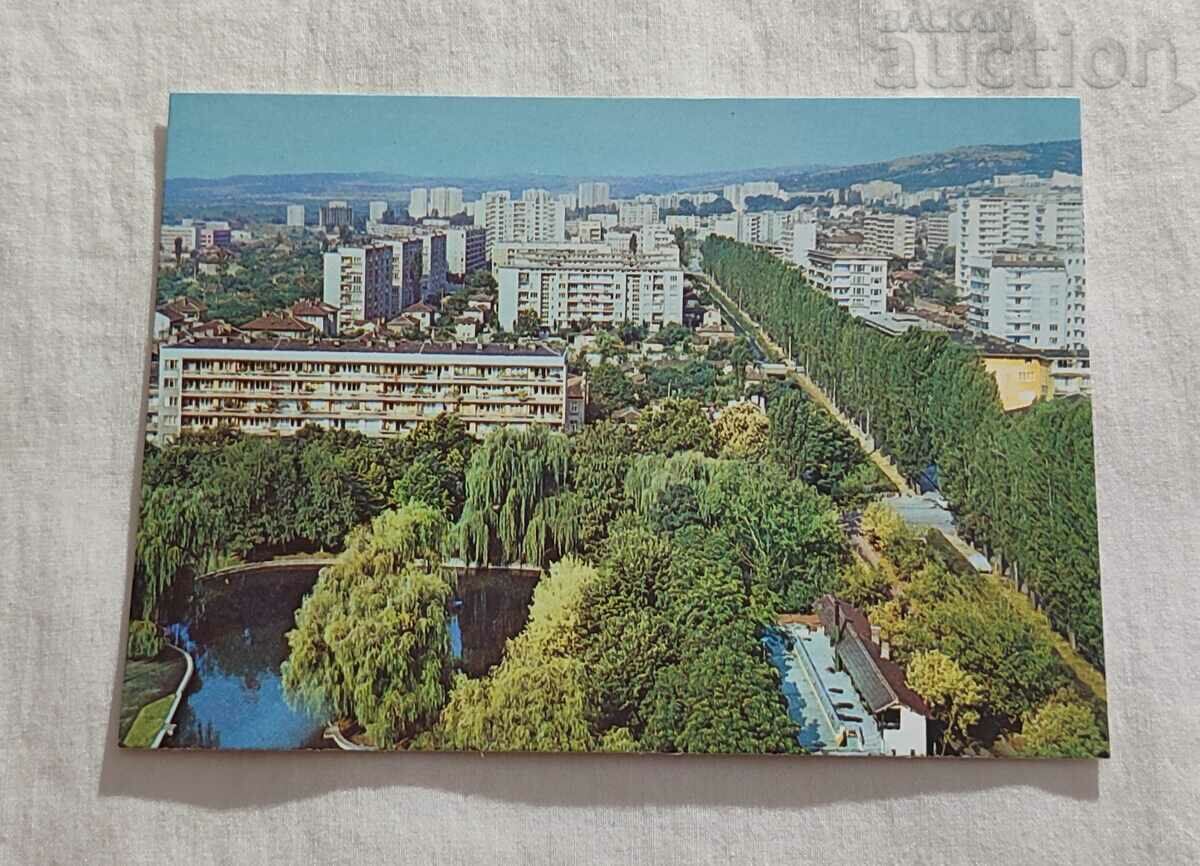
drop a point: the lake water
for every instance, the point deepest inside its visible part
(235, 631)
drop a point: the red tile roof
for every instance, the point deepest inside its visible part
(278, 323)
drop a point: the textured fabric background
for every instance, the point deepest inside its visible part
(83, 97)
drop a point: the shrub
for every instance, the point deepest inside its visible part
(145, 640)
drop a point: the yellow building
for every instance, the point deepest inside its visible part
(1022, 379)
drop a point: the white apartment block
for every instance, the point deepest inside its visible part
(878, 190)
(566, 283)
(631, 213)
(737, 193)
(891, 235)
(376, 210)
(466, 250)
(937, 231)
(418, 203)
(377, 388)
(433, 264)
(358, 281)
(800, 241)
(445, 201)
(536, 217)
(1031, 296)
(188, 235)
(687, 222)
(981, 226)
(592, 194)
(569, 199)
(589, 231)
(295, 215)
(856, 280)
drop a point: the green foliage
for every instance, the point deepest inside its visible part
(145, 640)
(675, 425)
(952, 694)
(1022, 483)
(601, 455)
(371, 642)
(528, 324)
(862, 585)
(609, 389)
(514, 510)
(741, 431)
(809, 444)
(1063, 727)
(535, 699)
(211, 496)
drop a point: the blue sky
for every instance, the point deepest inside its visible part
(214, 135)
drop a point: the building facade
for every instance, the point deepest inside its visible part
(592, 194)
(1028, 296)
(856, 280)
(358, 281)
(295, 215)
(567, 283)
(276, 387)
(892, 235)
(466, 251)
(336, 215)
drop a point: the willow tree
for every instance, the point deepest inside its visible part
(517, 508)
(535, 699)
(371, 642)
(178, 530)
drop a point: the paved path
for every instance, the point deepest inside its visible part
(764, 341)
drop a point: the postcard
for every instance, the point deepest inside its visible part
(732, 426)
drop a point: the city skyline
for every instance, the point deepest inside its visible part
(214, 136)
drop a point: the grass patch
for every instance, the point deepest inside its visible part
(146, 681)
(148, 723)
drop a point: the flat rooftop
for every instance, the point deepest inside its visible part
(384, 347)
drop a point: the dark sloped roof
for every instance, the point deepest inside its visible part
(880, 681)
(278, 323)
(309, 307)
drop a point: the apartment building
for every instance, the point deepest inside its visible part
(358, 281)
(418, 203)
(892, 235)
(295, 215)
(433, 264)
(592, 194)
(376, 210)
(565, 283)
(983, 225)
(378, 388)
(737, 193)
(536, 217)
(937, 231)
(445, 201)
(187, 235)
(408, 266)
(466, 251)
(637, 213)
(1027, 296)
(856, 280)
(878, 190)
(335, 215)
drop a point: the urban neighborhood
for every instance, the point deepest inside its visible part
(791, 461)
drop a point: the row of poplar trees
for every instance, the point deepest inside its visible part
(1022, 484)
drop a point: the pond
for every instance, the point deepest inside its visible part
(235, 630)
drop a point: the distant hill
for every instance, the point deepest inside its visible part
(960, 166)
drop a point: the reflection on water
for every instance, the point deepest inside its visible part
(236, 632)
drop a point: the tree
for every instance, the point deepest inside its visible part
(808, 443)
(1063, 727)
(535, 699)
(601, 455)
(862, 585)
(674, 425)
(741, 431)
(371, 642)
(609, 389)
(953, 694)
(514, 511)
(528, 324)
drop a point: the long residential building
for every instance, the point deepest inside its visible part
(892, 235)
(856, 280)
(378, 388)
(565, 283)
(981, 226)
(358, 281)
(536, 217)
